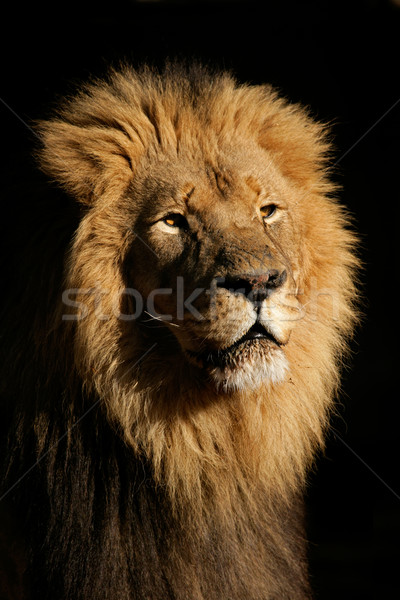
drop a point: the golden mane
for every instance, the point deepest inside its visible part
(227, 461)
(199, 440)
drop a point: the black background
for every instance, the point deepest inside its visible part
(342, 60)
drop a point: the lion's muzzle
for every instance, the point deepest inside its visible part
(256, 287)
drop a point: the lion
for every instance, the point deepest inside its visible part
(175, 343)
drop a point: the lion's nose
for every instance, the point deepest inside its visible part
(256, 287)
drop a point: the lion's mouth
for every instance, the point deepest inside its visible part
(256, 336)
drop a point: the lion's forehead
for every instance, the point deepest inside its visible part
(211, 182)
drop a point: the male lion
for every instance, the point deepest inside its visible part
(173, 347)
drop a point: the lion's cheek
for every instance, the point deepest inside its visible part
(279, 316)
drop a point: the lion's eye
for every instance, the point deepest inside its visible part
(175, 220)
(268, 210)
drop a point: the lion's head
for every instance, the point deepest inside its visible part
(212, 272)
(216, 256)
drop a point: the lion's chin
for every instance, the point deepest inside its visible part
(246, 366)
(251, 368)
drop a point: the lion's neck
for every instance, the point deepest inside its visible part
(210, 451)
(241, 557)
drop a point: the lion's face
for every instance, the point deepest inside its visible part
(216, 256)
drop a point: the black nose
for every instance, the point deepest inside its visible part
(256, 287)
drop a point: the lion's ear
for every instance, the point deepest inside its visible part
(87, 160)
(298, 143)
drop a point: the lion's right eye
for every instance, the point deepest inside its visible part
(268, 210)
(175, 220)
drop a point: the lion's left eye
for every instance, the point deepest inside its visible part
(175, 220)
(268, 210)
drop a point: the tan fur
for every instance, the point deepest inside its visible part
(140, 136)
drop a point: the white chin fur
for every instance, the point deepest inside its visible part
(253, 373)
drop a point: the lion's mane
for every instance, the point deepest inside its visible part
(148, 484)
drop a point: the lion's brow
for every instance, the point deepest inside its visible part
(189, 194)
